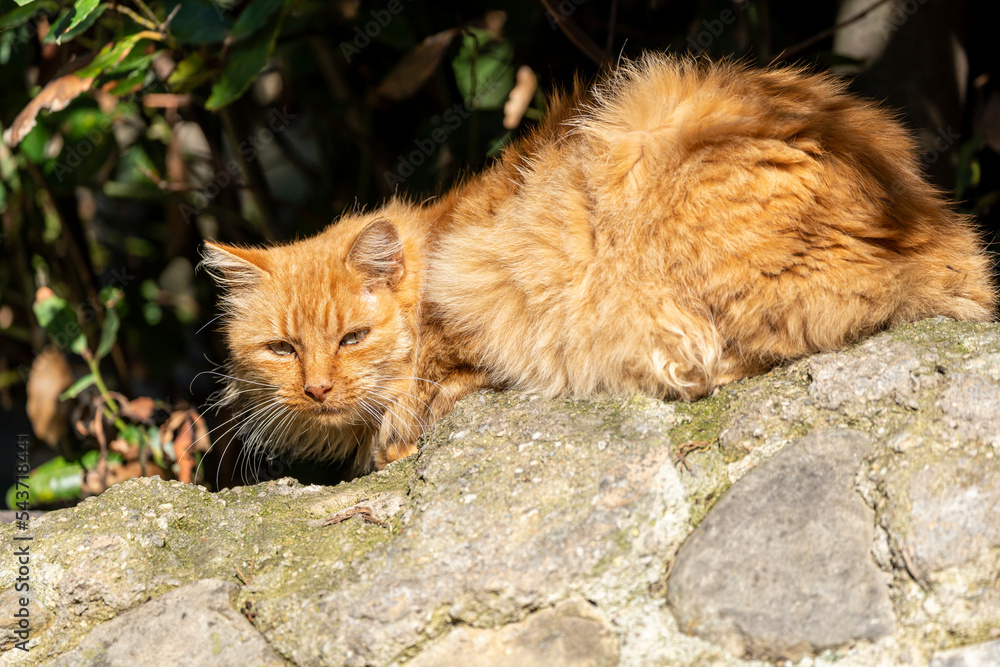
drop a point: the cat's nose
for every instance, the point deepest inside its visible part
(318, 392)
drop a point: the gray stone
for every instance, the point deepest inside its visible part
(942, 511)
(847, 378)
(978, 655)
(971, 404)
(781, 566)
(955, 511)
(195, 625)
(572, 634)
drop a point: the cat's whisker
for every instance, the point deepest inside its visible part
(264, 427)
(391, 401)
(242, 417)
(214, 319)
(387, 423)
(217, 402)
(236, 379)
(237, 421)
(412, 395)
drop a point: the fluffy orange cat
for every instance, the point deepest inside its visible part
(680, 226)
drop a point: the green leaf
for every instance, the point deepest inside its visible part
(198, 22)
(137, 59)
(33, 145)
(21, 15)
(59, 320)
(246, 60)
(78, 386)
(75, 21)
(255, 17)
(189, 74)
(109, 333)
(132, 434)
(113, 54)
(92, 457)
(484, 70)
(156, 446)
(53, 481)
(22, 3)
(129, 83)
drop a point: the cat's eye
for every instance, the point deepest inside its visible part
(354, 337)
(282, 348)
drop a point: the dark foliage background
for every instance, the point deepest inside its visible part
(163, 123)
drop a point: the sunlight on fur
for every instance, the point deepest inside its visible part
(679, 226)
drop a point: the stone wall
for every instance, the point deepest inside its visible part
(843, 509)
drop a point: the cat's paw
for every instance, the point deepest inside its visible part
(393, 452)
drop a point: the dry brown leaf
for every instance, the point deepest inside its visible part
(56, 95)
(166, 100)
(134, 469)
(520, 97)
(187, 425)
(415, 67)
(139, 409)
(94, 483)
(50, 376)
(128, 451)
(182, 445)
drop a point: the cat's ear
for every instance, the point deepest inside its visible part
(377, 254)
(232, 266)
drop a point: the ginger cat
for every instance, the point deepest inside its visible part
(680, 226)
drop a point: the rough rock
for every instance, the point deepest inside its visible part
(195, 624)
(550, 531)
(781, 566)
(841, 377)
(571, 634)
(980, 655)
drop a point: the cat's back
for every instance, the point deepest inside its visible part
(686, 221)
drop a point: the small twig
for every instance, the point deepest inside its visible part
(818, 37)
(242, 577)
(141, 20)
(170, 17)
(364, 512)
(904, 552)
(689, 448)
(145, 8)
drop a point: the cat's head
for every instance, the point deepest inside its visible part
(321, 336)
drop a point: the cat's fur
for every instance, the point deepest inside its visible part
(680, 226)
